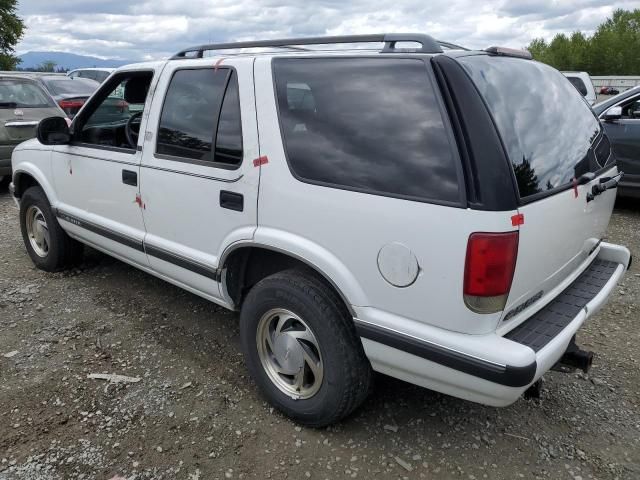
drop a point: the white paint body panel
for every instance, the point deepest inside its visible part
(558, 235)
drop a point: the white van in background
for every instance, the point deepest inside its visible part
(582, 81)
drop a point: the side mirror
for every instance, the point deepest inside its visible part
(613, 114)
(53, 131)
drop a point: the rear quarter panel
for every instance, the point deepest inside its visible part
(343, 231)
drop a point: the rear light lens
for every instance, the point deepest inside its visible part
(71, 107)
(122, 106)
(488, 270)
(70, 104)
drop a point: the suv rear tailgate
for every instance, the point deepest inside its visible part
(558, 152)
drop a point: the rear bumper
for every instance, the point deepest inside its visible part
(490, 369)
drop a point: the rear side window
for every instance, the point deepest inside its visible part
(370, 125)
(579, 84)
(200, 118)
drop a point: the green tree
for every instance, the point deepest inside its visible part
(11, 30)
(614, 49)
(47, 66)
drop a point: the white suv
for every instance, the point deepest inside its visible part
(422, 212)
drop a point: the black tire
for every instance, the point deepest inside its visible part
(4, 181)
(63, 251)
(347, 372)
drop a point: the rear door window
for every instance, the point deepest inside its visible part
(365, 124)
(200, 119)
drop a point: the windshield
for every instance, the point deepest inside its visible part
(75, 86)
(546, 126)
(18, 93)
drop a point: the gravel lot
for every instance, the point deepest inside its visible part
(195, 414)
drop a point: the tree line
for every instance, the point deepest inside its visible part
(614, 48)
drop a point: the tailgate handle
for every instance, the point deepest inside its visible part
(232, 200)
(130, 178)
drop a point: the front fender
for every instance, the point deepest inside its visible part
(37, 165)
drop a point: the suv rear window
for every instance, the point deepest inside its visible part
(546, 126)
(370, 125)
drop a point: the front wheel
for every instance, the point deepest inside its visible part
(49, 247)
(302, 349)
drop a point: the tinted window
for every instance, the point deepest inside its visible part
(189, 120)
(366, 124)
(75, 86)
(545, 124)
(229, 136)
(18, 93)
(579, 84)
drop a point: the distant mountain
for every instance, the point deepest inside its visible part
(68, 61)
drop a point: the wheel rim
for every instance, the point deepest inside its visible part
(290, 354)
(37, 231)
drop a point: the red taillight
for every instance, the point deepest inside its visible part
(122, 106)
(70, 104)
(488, 271)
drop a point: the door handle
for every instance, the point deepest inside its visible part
(232, 200)
(130, 178)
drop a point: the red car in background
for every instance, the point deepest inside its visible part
(609, 91)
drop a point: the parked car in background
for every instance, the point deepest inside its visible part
(97, 74)
(620, 116)
(23, 103)
(69, 93)
(582, 81)
(609, 91)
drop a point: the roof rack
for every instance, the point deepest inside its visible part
(428, 44)
(451, 46)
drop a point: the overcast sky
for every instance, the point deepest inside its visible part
(151, 29)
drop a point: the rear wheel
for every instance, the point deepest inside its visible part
(302, 350)
(49, 247)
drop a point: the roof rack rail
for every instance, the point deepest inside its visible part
(428, 44)
(451, 46)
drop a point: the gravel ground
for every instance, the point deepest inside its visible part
(195, 414)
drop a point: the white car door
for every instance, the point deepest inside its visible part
(199, 185)
(97, 175)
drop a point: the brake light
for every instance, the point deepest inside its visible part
(122, 106)
(70, 104)
(488, 271)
